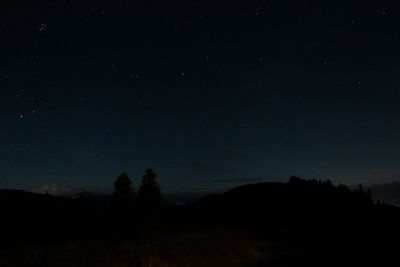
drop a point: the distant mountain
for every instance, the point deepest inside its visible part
(70, 191)
(174, 197)
(12, 194)
(88, 194)
(386, 193)
(184, 197)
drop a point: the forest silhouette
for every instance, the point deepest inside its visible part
(303, 222)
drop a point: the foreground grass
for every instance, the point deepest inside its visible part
(212, 247)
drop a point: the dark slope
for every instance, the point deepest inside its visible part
(311, 204)
(260, 207)
(302, 223)
(33, 216)
(313, 223)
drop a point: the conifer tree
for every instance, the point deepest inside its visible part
(149, 192)
(123, 187)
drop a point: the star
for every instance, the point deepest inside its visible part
(42, 27)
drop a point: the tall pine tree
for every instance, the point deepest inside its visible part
(123, 187)
(149, 192)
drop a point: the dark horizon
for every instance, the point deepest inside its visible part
(227, 184)
(387, 193)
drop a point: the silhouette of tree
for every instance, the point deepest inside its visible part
(123, 206)
(123, 187)
(295, 180)
(149, 192)
(149, 200)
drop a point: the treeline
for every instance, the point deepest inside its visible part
(308, 203)
(139, 213)
(328, 196)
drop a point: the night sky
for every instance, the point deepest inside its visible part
(210, 94)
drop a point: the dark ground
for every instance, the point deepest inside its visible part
(300, 223)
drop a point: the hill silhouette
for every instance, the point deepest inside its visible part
(288, 203)
(302, 221)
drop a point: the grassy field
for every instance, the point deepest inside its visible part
(215, 246)
(212, 247)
